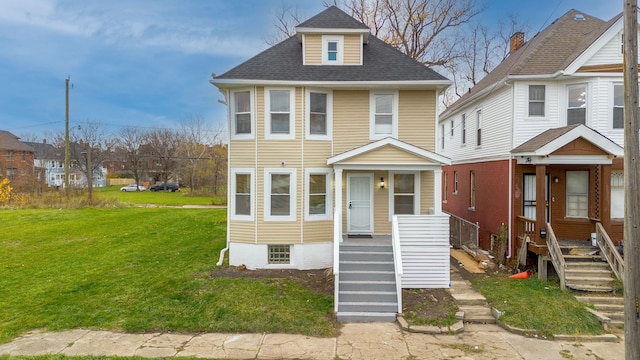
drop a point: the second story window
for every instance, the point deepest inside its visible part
(577, 104)
(279, 114)
(241, 122)
(332, 50)
(318, 115)
(479, 127)
(618, 106)
(536, 100)
(463, 126)
(442, 136)
(384, 115)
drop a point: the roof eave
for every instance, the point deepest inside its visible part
(405, 84)
(332, 31)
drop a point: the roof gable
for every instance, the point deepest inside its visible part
(8, 141)
(332, 18)
(389, 150)
(556, 140)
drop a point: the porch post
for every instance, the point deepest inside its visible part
(605, 197)
(541, 171)
(437, 191)
(338, 195)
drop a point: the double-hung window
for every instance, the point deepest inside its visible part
(405, 193)
(242, 117)
(463, 130)
(318, 194)
(280, 194)
(384, 115)
(472, 190)
(618, 106)
(442, 136)
(279, 113)
(332, 49)
(479, 127)
(242, 189)
(577, 104)
(617, 195)
(536, 100)
(577, 194)
(319, 106)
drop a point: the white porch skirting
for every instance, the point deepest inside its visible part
(303, 256)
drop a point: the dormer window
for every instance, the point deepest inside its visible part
(332, 49)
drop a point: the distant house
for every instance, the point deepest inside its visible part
(537, 144)
(332, 145)
(16, 160)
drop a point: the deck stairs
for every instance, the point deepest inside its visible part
(588, 274)
(366, 282)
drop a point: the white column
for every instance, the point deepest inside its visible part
(437, 191)
(337, 181)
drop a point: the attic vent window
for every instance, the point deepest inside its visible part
(579, 17)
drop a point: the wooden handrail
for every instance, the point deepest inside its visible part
(525, 227)
(556, 255)
(610, 252)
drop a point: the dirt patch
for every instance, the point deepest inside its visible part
(426, 304)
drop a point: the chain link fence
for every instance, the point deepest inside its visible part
(463, 234)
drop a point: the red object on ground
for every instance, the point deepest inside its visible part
(522, 275)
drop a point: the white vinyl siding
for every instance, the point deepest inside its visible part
(242, 117)
(279, 114)
(610, 53)
(280, 194)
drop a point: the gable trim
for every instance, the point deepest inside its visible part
(579, 132)
(590, 51)
(392, 142)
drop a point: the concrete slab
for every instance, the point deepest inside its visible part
(163, 345)
(39, 343)
(229, 346)
(285, 346)
(371, 341)
(107, 343)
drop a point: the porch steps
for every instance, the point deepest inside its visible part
(585, 269)
(472, 303)
(366, 282)
(611, 307)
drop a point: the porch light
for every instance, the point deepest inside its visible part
(381, 183)
(556, 180)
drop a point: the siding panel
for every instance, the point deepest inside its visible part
(352, 50)
(416, 118)
(313, 49)
(350, 119)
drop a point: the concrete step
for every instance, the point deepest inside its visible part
(366, 256)
(367, 265)
(366, 247)
(352, 275)
(368, 296)
(477, 314)
(616, 323)
(367, 285)
(361, 316)
(465, 295)
(370, 307)
(592, 288)
(601, 299)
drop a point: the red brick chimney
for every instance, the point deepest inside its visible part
(516, 40)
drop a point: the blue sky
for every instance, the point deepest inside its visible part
(148, 63)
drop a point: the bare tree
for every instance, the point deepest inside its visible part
(90, 146)
(285, 20)
(130, 141)
(166, 145)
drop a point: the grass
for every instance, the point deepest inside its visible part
(163, 198)
(537, 305)
(138, 270)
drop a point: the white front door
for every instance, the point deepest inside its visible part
(359, 204)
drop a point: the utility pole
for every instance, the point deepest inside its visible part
(66, 139)
(631, 183)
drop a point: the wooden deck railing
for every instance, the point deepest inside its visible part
(556, 255)
(525, 227)
(610, 252)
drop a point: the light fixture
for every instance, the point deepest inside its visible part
(381, 183)
(556, 180)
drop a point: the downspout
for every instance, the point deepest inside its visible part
(226, 102)
(510, 177)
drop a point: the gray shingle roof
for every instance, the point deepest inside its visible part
(548, 52)
(381, 62)
(333, 18)
(46, 151)
(8, 141)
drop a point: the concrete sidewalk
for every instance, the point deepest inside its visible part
(356, 341)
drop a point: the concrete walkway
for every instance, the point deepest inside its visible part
(356, 341)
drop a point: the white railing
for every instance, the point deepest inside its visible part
(397, 259)
(610, 252)
(337, 238)
(556, 255)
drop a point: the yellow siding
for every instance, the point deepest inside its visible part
(386, 154)
(242, 153)
(416, 118)
(381, 223)
(426, 191)
(316, 153)
(312, 49)
(352, 49)
(242, 231)
(279, 232)
(350, 119)
(318, 231)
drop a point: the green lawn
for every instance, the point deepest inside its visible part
(137, 269)
(162, 198)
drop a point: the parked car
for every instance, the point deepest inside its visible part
(133, 187)
(160, 187)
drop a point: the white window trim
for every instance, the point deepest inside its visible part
(478, 128)
(566, 204)
(232, 115)
(232, 180)
(416, 191)
(612, 105)
(292, 195)
(587, 102)
(544, 102)
(329, 135)
(463, 130)
(328, 201)
(292, 114)
(372, 115)
(326, 39)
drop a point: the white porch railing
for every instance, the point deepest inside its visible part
(397, 260)
(609, 252)
(337, 238)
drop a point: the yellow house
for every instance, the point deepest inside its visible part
(332, 137)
